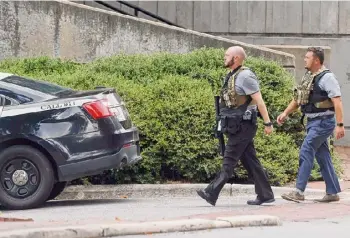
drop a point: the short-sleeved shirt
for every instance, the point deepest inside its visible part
(247, 83)
(328, 83)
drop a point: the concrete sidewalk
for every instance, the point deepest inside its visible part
(222, 216)
(109, 230)
(133, 210)
(163, 190)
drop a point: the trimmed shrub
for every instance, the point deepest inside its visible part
(170, 98)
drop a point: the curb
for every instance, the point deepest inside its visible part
(97, 231)
(163, 190)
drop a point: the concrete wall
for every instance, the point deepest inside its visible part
(83, 33)
(240, 17)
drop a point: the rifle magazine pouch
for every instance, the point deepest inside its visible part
(230, 125)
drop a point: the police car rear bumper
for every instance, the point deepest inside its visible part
(128, 155)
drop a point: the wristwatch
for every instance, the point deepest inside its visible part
(340, 124)
(267, 124)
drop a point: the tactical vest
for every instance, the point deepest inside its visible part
(232, 105)
(310, 97)
(229, 99)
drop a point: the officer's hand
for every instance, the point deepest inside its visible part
(281, 118)
(268, 130)
(339, 132)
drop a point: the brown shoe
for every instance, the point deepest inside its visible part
(293, 196)
(329, 198)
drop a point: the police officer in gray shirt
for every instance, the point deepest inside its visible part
(239, 101)
(319, 97)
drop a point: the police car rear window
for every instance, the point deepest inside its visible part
(37, 85)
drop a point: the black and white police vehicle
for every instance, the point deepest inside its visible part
(50, 135)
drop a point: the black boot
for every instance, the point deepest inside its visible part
(259, 201)
(211, 193)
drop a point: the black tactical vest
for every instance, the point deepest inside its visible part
(318, 98)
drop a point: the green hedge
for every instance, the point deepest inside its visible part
(170, 99)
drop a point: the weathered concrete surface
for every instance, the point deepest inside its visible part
(117, 213)
(104, 230)
(150, 207)
(244, 17)
(83, 33)
(299, 52)
(167, 190)
(323, 228)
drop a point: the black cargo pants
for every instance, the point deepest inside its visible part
(240, 146)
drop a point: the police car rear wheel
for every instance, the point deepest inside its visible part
(57, 190)
(26, 177)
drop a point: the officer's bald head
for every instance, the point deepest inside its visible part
(234, 56)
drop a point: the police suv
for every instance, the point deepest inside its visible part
(50, 135)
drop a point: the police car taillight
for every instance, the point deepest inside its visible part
(98, 109)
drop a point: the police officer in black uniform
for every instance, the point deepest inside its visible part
(239, 101)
